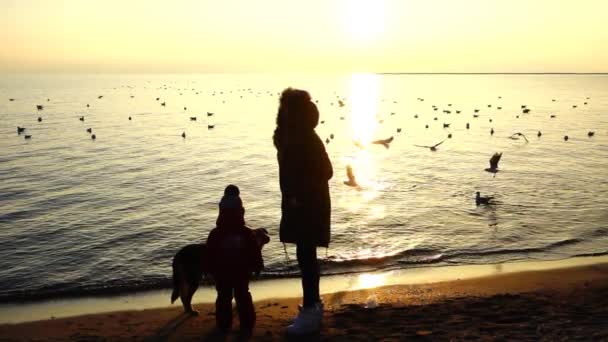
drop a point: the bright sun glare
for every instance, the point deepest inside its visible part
(364, 95)
(363, 19)
(369, 280)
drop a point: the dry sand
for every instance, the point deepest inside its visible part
(553, 305)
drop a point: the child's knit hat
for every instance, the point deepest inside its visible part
(231, 199)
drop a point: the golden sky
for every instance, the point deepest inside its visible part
(304, 36)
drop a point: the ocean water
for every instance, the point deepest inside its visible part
(81, 216)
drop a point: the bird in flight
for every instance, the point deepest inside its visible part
(351, 177)
(494, 163)
(432, 148)
(383, 142)
(516, 136)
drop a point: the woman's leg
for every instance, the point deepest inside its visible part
(309, 267)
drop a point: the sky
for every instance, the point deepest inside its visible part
(231, 36)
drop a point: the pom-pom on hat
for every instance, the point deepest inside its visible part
(231, 199)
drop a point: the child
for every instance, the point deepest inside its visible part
(233, 254)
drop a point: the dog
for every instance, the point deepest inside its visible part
(189, 268)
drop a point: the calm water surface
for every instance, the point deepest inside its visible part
(79, 216)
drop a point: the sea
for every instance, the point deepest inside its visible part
(85, 217)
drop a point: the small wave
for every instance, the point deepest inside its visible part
(75, 291)
(564, 243)
(334, 266)
(591, 254)
(19, 215)
(600, 232)
(507, 251)
(409, 258)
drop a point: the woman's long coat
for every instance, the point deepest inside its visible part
(304, 172)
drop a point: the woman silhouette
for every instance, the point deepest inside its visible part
(304, 170)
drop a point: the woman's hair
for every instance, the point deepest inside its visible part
(297, 116)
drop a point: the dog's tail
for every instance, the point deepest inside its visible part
(175, 293)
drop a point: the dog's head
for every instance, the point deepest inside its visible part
(261, 237)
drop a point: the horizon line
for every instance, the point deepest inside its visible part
(299, 72)
(493, 73)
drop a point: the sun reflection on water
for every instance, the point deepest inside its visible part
(369, 280)
(364, 100)
(364, 95)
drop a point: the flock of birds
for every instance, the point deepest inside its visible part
(340, 102)
(494, 159)
(89, 130)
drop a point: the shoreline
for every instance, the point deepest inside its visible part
(275, 289)
(549, 304)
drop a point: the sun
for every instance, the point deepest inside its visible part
(363, 20)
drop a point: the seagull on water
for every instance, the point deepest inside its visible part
(482, 200)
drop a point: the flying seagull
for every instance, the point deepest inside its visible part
(516, 136)
(432, 148)
(383, 142)
(351, 177)
(494, 163)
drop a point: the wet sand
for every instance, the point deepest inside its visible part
(557, 304)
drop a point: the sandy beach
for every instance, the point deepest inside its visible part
(556, 304)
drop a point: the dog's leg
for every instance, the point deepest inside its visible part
(188, 297)
(176, 280)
